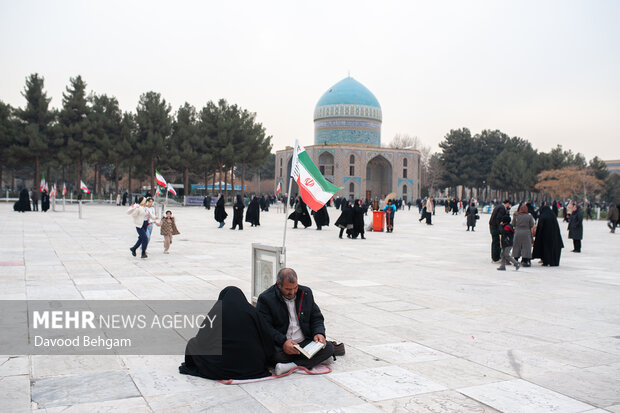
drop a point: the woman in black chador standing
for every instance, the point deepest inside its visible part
(246, 347)
(548, 242)
(345, 220)
(220, 211)
(238, 208)
(252, 215)
(358, 219)
(23, 204)
(45, 201)
(472, 215)
(300, 214)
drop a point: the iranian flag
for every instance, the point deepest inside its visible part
(157, 192)
(64, 189)
(315, 189)
(83, 187)
(278, 189)
(42, 186)
(53, 194)
(160, 179)
(171, 190)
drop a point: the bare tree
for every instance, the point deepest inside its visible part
(404, 141)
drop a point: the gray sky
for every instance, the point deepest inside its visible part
(546, 71)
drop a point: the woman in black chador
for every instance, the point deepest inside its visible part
(358, 219)
(23, 204)
(252, 215)
(247, 348)
(321, 218)
(45, 201)
(300, 214)
(345, 220)
(220, 212)
(238, 208)
(548, 243)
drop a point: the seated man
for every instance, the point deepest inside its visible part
(293, 318)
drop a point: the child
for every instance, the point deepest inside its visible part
(168, 229)
(506, 238)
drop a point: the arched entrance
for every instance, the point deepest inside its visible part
(378, 177)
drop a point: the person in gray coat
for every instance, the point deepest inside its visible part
(523, 222)
(575, 227)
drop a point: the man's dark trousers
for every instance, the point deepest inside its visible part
(496, 250)
(281, 357)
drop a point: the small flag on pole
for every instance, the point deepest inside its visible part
(64, 189)
(157, 192)
(279, 188)
(53, 194)
(46, 189)
(83, 187)
(171, 190)
(160, 179)
(42, 187)
(315, 190)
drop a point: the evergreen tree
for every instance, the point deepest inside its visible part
(458, 157)
(599, 167)
(8, 138)
(154, 127)
(185, 142)
(125, 152)
(33, 143)
(74, 126)
(106, 119)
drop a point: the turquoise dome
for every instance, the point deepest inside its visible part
(348, 91)
(348, 113)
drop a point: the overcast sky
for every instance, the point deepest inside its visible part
(546, 71)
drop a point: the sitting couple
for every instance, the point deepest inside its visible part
(254, 339)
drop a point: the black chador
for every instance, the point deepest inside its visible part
(345, 220)
(220, 211)
(300, 214)
(238, 213)
(247, 348)
(548, 243)
(23, 204)
(252, 215)
(321, 217)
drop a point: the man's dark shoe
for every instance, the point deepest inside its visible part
(144, 255)
(133, 251)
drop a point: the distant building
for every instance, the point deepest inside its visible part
(347, 148)
(613, 166)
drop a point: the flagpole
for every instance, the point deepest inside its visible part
(288, 198)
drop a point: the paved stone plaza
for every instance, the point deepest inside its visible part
(429, 324)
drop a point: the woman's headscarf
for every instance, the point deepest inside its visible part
(523, 209)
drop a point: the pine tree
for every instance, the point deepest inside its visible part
(74, 125)
(154, 127)
(33, 142)
(184, 144)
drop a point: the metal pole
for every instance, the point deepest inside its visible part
(63, 202)
(288, 198)
(80, 208)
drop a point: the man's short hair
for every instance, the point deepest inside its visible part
(507, 202)
(287, 274)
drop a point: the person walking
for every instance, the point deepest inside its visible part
(496, 217)
(575, 227)
(300, 213)
(321, 217)
(613, 215)
(152, 216)
(252, 215)
(345, 220)
(238, 208)
(358, 219)
(506, 234)
(430, 210)
(139, 214)
(472, 216)
(35, 199)
(220, 211)
(168, 229)
(523, 222)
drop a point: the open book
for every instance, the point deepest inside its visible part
(311, 348)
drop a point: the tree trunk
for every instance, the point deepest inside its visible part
(78, 171)
(129, 182)
(206, 183)
(37, 176)
(116, 177)
(186, 180)
(153, 174)
(226, 184)
(213, 184)
(242, 180)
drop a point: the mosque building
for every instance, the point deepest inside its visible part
(347, 148)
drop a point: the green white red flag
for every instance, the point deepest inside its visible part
(171, 190)
(157, 192)
(43, 184)
(83, 187)
(64, 189)
(279, 188)
(314, 189)
(160, 179)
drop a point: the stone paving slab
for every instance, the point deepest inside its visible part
(429, 323)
